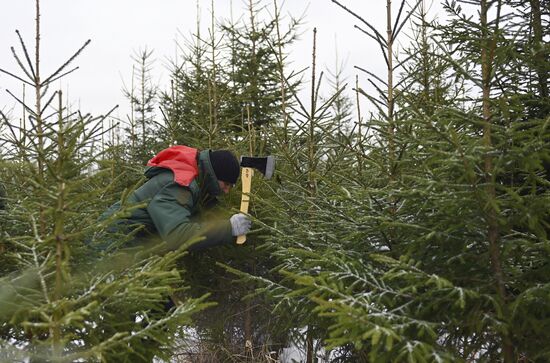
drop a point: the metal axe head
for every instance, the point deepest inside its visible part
(265, 165)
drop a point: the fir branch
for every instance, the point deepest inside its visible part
(27, 57)
(397, 31)
(379, 36)
(21, 64)
(64, 65)
(16, 77)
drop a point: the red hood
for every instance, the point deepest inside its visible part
(182, 160)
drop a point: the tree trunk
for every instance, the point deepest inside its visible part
(540, 61)
(309, 346)
(491, 214)
(391, 101)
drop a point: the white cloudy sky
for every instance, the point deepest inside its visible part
(119, 28)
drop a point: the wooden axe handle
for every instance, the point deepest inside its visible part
(246, 179)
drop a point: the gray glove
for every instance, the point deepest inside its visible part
(240, 224)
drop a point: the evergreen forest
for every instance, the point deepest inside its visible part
(408, 219)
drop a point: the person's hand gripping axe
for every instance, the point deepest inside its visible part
(265, 165)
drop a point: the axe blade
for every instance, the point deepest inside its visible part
(265, 165)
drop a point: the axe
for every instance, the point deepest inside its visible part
(266, 166)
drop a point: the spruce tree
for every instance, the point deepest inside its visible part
(435, 254)
(142, 95)
(442, 270)
(60, 301)
(212, 105)
(192, 105)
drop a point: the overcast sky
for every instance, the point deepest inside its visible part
(119, 28)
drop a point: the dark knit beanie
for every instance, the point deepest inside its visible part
(225, 165)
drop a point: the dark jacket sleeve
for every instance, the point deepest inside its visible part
(171, 209)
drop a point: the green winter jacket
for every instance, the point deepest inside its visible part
(173, 212)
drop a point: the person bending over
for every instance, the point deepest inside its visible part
(182, 184)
